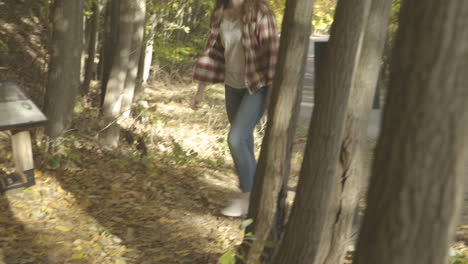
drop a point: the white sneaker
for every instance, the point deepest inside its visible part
(236, 208)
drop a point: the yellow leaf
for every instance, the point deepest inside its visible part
(78, 248)
(64, 228)
(80, 255)
(165, 220)
(98, 247)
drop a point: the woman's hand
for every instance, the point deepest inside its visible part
(198, 97)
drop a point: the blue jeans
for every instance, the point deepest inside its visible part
(244, 111)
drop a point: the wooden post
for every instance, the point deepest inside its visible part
(22, 155)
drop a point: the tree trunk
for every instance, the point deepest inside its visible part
(89, 68)
(318, 177)
(84, 50)
(350, 171)
(64, 73)
(149, 49)
(111, 37)
(267, 207)
(103, 35)
(133, 62)
(417, 179)
(141, 67)
(111, 109)
(146, 56)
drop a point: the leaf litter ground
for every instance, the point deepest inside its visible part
(92, 205)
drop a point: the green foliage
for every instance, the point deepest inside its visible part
(79, 107)
(396, 6)
(176, 55)
(59, 151)
(322, 19)
(245, 224)
(393, 25)
(458, 257)
(179, 156)
(183, 27)
(88, 6)
(324, 10)
(181, 31)
(230, 256)
(392, 31)
(278, 7)
(4, 47)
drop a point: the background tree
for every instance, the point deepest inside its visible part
(417, 181)
(268, 197)
(112, 107)
(111, 37)
(146, 53)
(181, 31)
(134, 57)
(65, 63)
(92, 27)
(318, 178)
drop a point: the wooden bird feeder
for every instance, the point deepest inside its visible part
(18, 114)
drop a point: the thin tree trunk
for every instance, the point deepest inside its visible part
(133, 62)
(111, 109)
(64, 73)
(149, 49)
(350, 171)
(141, 66)
(103, 35)
(93, 28)
(146, 57)
(111, 37)
(318, 177)
(417, 180)
(86, 37)
(267, 207)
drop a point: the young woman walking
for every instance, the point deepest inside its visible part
(241, 53)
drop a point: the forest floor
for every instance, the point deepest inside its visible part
(92, 205)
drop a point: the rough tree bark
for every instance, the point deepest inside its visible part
(65, 64)
(133, 61)
(267, 207)
(89, 67)
(301, 242)
(111, 109)
(417, 179)
(110, 38)
(350, 172)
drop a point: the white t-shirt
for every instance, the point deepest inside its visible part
(231, 39)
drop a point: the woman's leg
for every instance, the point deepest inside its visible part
(240, 139)
(233, 101)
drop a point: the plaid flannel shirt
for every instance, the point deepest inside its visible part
(260, 41)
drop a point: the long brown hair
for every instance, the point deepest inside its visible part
(248, 5)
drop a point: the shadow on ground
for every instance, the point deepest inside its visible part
(161, 214)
